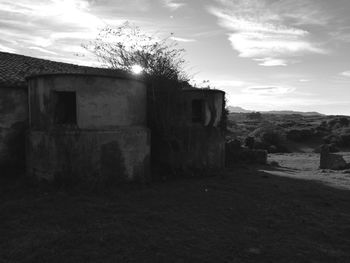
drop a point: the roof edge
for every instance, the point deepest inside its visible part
(102, 74)
(205, 90)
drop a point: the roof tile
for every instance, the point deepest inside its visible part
(15, 68)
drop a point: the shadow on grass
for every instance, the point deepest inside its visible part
(243, 215)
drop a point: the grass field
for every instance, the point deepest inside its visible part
(241, 215)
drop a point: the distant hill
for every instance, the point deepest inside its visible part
(236, 109)
(290, 112)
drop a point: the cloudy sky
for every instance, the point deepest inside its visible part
(266, 54)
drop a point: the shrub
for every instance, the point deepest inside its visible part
(233, 145)
(249, 142)
(339, 122)
(270, 138)
(332, 139)
(254, 116)
(301, 135)
(345, 138)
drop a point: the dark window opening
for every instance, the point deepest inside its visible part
(197, 110)
(65, 111)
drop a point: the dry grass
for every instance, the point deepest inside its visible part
(241, 216)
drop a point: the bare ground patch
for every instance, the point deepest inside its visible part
(306, 166)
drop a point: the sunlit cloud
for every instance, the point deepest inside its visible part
(43, 50)
(259, 32)
(52, 29)
(228, 83)
(49, 19)
(271, 62)
(42, 41)
(268, 90)
(7, 49)
(345, 73)
(256, 101)
(221, 83)
(341, 33)
(181, 39)
(173, 4)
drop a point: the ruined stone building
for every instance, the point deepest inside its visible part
(204, 110)
(193, 138)
(59, 119)
(14, 102)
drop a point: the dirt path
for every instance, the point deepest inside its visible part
(306, 166)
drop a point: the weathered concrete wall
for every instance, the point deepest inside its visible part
(204, 148)
(13, 124)
(109, 141)
(89, 156)
(203, 143)
(213, 105)
(179, 140)
(192, 147)
(102, 102)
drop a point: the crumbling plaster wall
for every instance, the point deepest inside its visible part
(194, 144)
(213, 105)
(90, 157)
(13, 124)
(102, 102)
(109, 142)
(205, 141)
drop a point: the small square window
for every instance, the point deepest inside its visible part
(65, 111)
(197, 110)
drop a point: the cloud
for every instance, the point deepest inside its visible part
(47, 27)
(258, 31)
(173, 4)
(271, 62)
(181, 39)
(256, 102)
(43, 50)
(345, 73)
(47, 17)
(268, 90)
(7, 49)
(228, 83)
(39, 27)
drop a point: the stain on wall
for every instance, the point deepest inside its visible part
(13, 125)
(112, 163)
(92, 157)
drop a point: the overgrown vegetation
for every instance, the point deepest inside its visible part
(126, 46)
(288, 133)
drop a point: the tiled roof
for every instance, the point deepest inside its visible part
(15, 68)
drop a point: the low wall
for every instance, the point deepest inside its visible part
(92, 157)
(331, 160)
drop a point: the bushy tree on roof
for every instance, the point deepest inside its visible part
(126, 46)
